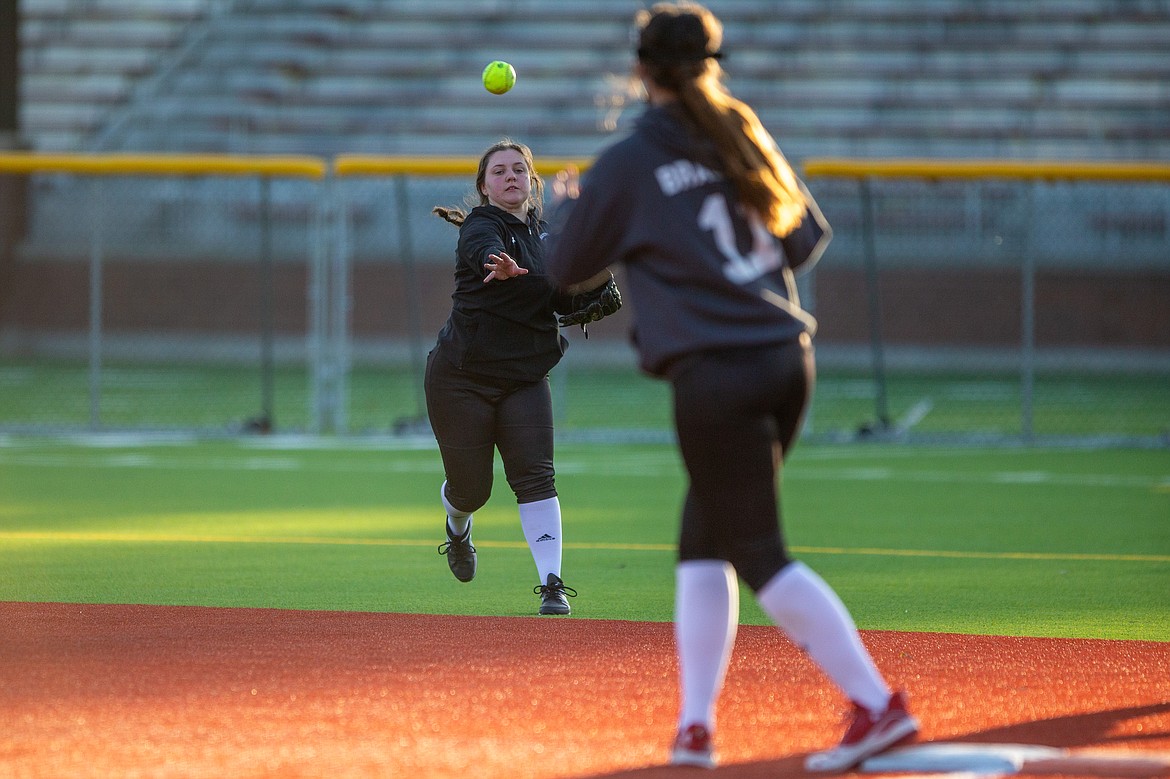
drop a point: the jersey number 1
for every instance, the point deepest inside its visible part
(765, 255)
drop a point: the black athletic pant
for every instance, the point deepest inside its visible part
(472, 415)
(737, 413)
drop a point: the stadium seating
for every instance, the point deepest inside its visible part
(1069, 78)
(80, 62)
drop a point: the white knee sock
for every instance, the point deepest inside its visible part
(541, 523)
(805, 607)
(706, 618)
(457, 520)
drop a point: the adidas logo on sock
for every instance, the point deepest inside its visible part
(545, 537)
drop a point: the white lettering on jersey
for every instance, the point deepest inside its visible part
(681, 175)
(764, 257)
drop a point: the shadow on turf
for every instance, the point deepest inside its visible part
(1096, 729)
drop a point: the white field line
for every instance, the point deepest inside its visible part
(634, 465)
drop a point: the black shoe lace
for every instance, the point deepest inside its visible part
(549, 590)
(463, 547)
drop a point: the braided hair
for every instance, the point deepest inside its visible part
(678, 47)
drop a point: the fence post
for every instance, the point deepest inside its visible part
(413, 293)
(339, 318)
(1028, 317)
(267, 420)
(318, 307)
(95, 302)
(877, 344)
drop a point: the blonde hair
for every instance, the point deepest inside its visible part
(456, 215)
(678, 46)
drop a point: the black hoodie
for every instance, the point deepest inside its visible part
(700, 274)
(502, 329)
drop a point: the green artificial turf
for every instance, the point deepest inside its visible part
(1029, 542)
(54, 395)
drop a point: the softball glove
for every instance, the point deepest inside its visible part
(592, 305)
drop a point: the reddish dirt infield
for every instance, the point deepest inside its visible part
(102, 691)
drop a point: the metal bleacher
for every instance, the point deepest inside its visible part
(1069, 78)
(1072, 79)
(82, 61)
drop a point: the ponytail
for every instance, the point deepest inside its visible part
(452, 214)
(679, 48)
(761, 176)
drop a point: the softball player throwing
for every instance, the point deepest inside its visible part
(486, 379)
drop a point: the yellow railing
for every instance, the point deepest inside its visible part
(301, 166)
(165, 164)
(977, 169)
(309, 166)
(378, 165)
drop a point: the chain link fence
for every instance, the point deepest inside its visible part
(959, 302)
(1002, 300)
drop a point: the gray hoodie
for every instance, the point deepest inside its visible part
(701, 275)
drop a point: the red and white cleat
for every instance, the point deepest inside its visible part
(868, 735)
(693, 747)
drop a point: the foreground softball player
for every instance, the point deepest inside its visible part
(711, 222)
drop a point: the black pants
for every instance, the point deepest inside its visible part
(737, 413)
(472, 416)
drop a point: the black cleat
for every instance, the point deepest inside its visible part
(552, 596)
(460, 555)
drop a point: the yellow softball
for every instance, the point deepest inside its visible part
(498, 77)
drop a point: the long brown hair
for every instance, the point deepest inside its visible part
(678, 46)
(456, 215)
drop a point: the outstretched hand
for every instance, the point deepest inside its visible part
(503, 268)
